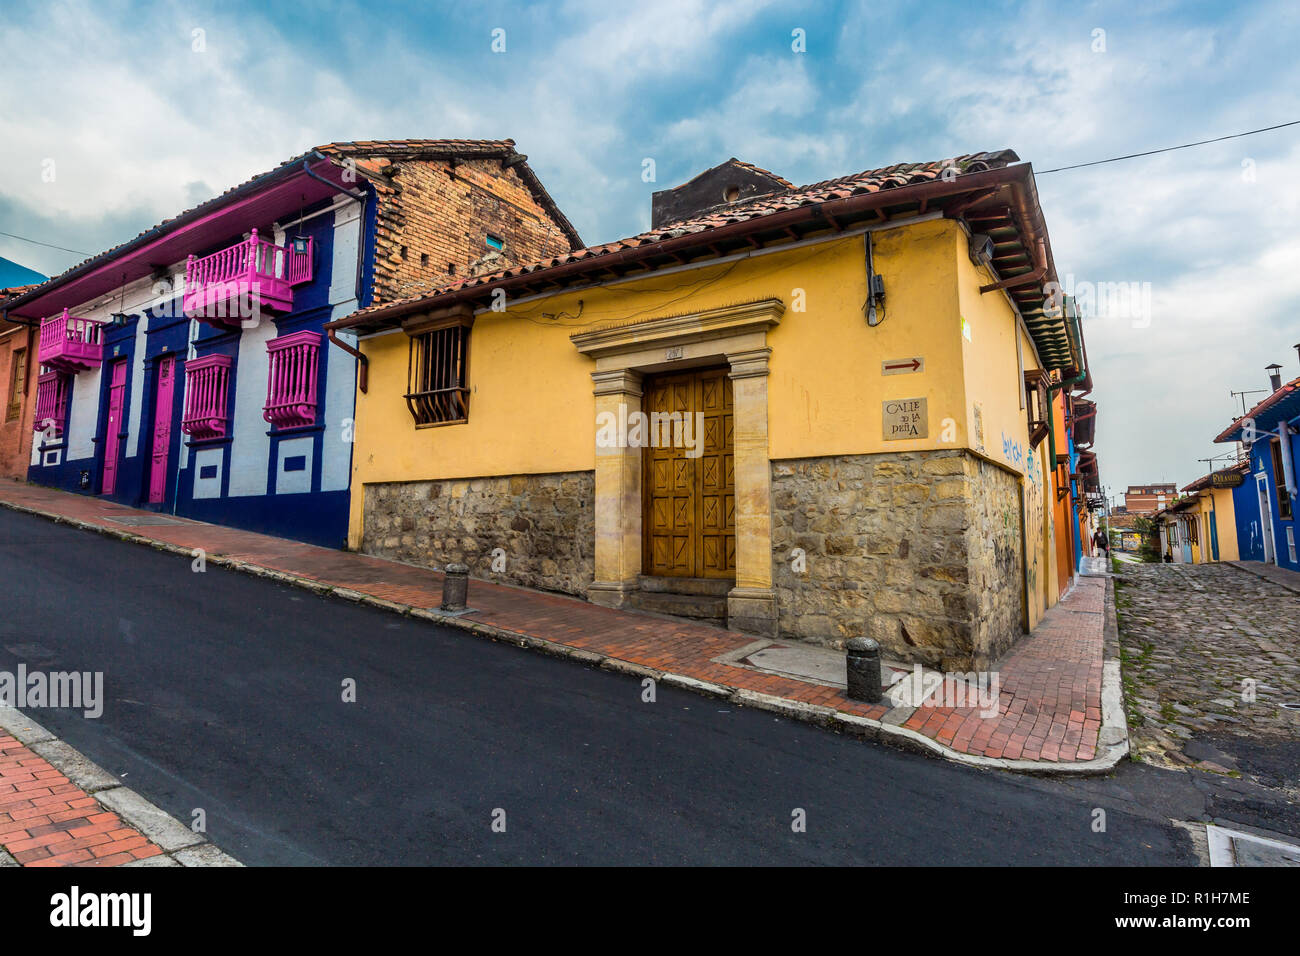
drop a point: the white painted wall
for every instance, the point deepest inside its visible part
(340, 389)
(250, 446)
(294, 482)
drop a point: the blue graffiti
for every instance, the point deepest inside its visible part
(1012, 450)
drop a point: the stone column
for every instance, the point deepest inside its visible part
(618, 493)
(751, 604)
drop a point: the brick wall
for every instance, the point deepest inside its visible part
(432, 226)
(16, 433)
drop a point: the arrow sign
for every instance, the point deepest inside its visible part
(902, 366)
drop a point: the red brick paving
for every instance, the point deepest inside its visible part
(46, 820)
(1050, 693)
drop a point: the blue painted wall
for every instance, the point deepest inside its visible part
(287, 482)
(1261, 464)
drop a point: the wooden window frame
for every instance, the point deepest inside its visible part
(1036, 399)
(1279, 479)
(17, 383)
(440, 338)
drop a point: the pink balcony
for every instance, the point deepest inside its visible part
(70, 344)
(207, 389)
(235, 284)
(51, 403)
(291, 384)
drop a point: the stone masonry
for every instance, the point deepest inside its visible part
(919, 550)
(543, 524)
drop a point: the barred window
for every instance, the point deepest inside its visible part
(438, 372)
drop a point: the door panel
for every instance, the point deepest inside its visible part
(112, 429)
(162, 429)
(690, 503)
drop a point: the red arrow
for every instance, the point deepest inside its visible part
(913, 365)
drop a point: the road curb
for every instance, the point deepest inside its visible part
(857, 725)
(157, 825)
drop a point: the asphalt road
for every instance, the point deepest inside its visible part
(224, 692)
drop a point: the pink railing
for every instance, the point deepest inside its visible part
(250, 274)
(291, 384)
(207, 384)
(297, 269)
(70, 343)
(51, 403)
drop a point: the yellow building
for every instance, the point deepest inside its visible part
(1201, 526)
(816, 412)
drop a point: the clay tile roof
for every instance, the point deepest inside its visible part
(763, 172)
(870, 181)
(1242, 467)
(1284, 403)
(399, 148)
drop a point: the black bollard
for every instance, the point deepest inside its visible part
(862, 661)
(455, 587)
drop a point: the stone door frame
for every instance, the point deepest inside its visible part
(736, 336)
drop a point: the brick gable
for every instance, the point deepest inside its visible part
(434, 219)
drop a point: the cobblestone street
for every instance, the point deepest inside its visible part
(1194, 637)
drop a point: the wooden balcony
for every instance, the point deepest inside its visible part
(70, 344)
(235, 284)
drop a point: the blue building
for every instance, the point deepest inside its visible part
(1265, 503)
(189, 371)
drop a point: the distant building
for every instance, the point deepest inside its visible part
(1202, 526)
(1148, 499)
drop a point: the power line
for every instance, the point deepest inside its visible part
(37, 242)
(1168, 149)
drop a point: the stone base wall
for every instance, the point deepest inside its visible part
(908, 548)
(997, 561)
(544, 524)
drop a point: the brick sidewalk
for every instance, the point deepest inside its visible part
(1050, 702)
(46, 820)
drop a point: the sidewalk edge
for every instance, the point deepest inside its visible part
(180, 845)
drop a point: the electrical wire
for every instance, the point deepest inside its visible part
(1167, 149)
(37, 242)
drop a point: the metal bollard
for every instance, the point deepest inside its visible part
(455, 587)
(862, 661)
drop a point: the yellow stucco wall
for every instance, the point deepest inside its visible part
(997, 419)
(1226, 524)
(532, 410)
(531, 403)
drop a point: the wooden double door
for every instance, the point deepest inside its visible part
(689, 520)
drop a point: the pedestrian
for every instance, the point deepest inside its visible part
(1102, 541)
(1169, 557)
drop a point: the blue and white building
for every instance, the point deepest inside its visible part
(189, 371)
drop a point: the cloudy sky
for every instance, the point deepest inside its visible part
(114, 116)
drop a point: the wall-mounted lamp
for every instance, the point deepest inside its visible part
(300, 245)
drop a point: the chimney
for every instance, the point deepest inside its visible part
(1274, 375)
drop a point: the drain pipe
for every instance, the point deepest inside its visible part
(1284, 440)
(363, 363)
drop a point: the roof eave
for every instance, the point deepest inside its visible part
(1015, 176)
(290, 167)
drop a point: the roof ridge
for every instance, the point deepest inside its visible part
(866, 181)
